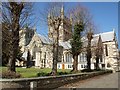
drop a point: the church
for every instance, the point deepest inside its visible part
(41, 54)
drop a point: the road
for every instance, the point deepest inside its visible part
(103, 81)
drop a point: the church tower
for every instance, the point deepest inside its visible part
(65, 28)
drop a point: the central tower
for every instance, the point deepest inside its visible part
(65, 28)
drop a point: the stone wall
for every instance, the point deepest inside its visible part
(46, 82)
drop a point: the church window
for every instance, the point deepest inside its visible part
(69, 66)
(85, 57)
(58, 66)
(82, 66)
(108, 65)
(101, 59)
(34, 55)
(81, 57)
(68, 57)
(106, 50)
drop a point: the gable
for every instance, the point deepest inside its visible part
(35, 41)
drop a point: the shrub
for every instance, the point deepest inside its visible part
(43, 74)
(9, 75)
(87, 70)
(98, 70)
(48, 74)
(63, 73)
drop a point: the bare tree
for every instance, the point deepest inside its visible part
(88, 49)
(98, 52)
(52, 16)
(5, 41)
(55, 22)
(14, 15)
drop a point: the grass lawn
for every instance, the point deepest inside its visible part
(31, 72)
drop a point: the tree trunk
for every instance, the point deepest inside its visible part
(28, 59)
(14, 50)
(97, 62)
(15, 38)
(89, 55)
(54, 67)
(88, 62)
(55, 54)
(75, 63)
(11, 65)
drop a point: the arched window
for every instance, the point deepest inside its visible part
(82, 57)
(67, 57)
(34, 52)
(108, 65)
(70, 57)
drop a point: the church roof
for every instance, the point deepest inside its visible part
(94, 41)
(107, 36)
(65, 45)
(44, 39)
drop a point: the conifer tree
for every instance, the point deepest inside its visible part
(76, 44)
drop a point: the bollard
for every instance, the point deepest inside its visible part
(33, 85)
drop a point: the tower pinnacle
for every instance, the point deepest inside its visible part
(62, 12)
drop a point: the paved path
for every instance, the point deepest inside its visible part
(105, 81)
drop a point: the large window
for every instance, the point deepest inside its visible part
(82, 57)
(68, 57)
(82, 66)
(34, 55)
(101, 59)
(108, 65)
(69, 66)
(34, 51)
(106, 50)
